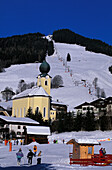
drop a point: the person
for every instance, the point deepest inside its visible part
(30, 156)
(63, 141)
(104, 151)
(39, 157)
(17, 142)
(35, 150)
(14, 141)
(19, 155)
(21, 141)
(101, 152)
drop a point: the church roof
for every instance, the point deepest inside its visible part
(44, 68)
(35, 91)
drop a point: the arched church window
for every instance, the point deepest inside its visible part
(44, 112)
(37, 110)
(46, 83)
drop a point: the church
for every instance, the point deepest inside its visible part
(38, 98)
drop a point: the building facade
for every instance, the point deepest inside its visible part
(38, 98)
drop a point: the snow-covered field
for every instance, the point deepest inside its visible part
(54, 156)
(84, 65)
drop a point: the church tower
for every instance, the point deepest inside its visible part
(43, 79)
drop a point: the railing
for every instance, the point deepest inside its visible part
(96, 160)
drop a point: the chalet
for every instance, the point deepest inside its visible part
(108, 102)
(37, 133)
(12, 127)
(82, 148)
(83, 108)
(97, 106)
(56, 108)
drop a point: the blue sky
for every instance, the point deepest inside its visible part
(90, 18)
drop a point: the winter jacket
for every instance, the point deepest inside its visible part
(30, 154)
(35, 148)
(19, 154)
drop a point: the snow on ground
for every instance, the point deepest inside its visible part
(84, 65)
(54, 156)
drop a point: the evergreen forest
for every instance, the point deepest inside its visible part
(21, 49)
(93, 45)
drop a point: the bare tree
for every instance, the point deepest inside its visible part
(57, 81)
(21, 86)
(7, 93)
(103, 95)
(98, 92)
(95, 82)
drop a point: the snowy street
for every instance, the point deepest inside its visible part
(54, 156)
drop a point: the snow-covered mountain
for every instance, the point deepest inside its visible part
(84, 67)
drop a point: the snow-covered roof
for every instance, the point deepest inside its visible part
(18, 120)
(84, 141)
(35, 91)
(6, 105)
(58, 103)
(87, 141)
(38, 130)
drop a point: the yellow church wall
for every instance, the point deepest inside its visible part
(20, 107)
(41, 103)
(44, 82)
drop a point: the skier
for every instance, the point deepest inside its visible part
(104, 151)
(35, 149)
(30, 156)
(39, 157)
(19, 155)
(21, 142)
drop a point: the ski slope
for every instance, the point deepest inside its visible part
(84, 65)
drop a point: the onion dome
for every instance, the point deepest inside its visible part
(44, 68)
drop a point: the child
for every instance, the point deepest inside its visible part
(19, 155)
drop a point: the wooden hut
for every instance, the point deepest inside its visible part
(83, 149)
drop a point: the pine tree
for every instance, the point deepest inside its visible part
(38, 118)
(89, 121)
(78, 122)
(30, 113)
(68, 57)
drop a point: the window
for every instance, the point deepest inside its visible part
(18, 133)
(46, 83)
(37, 110)
(89, 150)
(44, 112)
(84, 108)
(24, 127)
(19, 127)
(91, 108)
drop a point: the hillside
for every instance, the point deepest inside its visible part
(21, 49)
(84, 65)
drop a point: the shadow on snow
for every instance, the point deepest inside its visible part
(31, 167)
